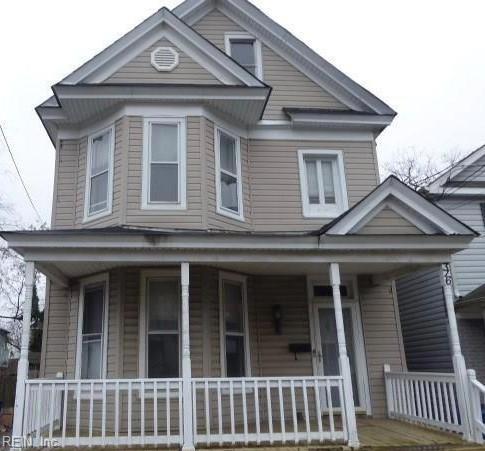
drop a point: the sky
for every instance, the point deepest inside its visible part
(424, 58)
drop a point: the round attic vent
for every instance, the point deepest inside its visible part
(165, 59)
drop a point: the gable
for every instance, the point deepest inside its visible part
(472, 173)
(389, 222)
(291, 88)
(140, 69)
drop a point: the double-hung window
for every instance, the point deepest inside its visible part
(160, 345)
(323, 185)
(99, 176)
(164, 185)
(92, 329)
(234, 320)
(246, 50)
(228, 174)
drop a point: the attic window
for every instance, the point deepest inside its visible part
(165, 59)
(246, 50)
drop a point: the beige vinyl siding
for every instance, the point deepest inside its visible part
(135, 215)
(382, 337)
(140, 70)
(217, 220)
(291, 88)
(388, 222)
(275, 181)
(65, 188)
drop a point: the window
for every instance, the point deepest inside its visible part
(99, 179)
(164, 167)
(228, 173)
(92, 329)
(246, 50)
(323, 188)
(160, 328)
(234, 319)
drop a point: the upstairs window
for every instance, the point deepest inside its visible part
(246, 50)
(164, 165)
(323, 186)
(228, 173)
(99, 180)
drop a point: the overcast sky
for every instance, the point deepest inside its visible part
(426, 59)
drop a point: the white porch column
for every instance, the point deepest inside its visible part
(23, 364)
(344, 362)
(459, 366)
(186, 363)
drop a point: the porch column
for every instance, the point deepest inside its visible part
(459, 366)
(344, 362)
(23, 363)
(188, 444)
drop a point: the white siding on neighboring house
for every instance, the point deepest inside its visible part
(468, 265)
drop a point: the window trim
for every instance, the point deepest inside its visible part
(258, 52)
(238, 278)
(145, 275)
(182, 163)
(87, 190)
(324, 211)
(217, 150)
(94, 280)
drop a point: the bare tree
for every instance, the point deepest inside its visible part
(418, 169)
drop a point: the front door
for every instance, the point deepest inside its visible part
(327, 353)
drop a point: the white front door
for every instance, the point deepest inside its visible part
(326, 351)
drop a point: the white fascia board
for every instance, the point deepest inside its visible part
(293, 50)
(436, 187)
(147, 33)
(412, 200)
(340, 120)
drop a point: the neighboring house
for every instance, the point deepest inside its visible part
(4, 348)
(461, 192)
(222, 252)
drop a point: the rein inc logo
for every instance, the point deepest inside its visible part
(13, 442)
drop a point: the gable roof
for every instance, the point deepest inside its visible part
(291, 48)
(410, 205)
(464, 167)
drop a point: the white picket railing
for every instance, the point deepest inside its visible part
(477, 403)
(268, 410)
(105, 412)
(429, 399)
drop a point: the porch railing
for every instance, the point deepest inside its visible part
(477, 404)
(225, 411)
(106, 412)
(268, 410)
(424, 398)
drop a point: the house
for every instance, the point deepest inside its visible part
(461, 192)
(222, 251)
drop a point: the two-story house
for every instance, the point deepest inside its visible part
(461, 192)
(221, 256)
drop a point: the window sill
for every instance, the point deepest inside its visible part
(164, 207)
(90, 218)
(228, 214)
(332, 214)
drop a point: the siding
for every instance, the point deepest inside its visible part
(190, 218)
(140, 70)
(275, 180)
(472, 338)
(468, 265)
(389, 222)
(290, 87)
(473, 173)
(424, 321)
(382, 337)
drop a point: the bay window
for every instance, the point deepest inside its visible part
(164, 164)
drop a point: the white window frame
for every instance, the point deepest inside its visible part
(237, 278)
(323, 210)
(87, 191)
(95, 280)
(239, 216)
(182, 164)
(258, 52)
(169, 274)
